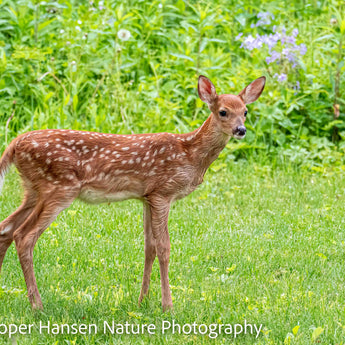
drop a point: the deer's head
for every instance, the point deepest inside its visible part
(230, 111)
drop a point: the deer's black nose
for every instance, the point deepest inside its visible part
(240, 131)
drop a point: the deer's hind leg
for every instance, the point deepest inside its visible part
(46, 210)
(14, 221)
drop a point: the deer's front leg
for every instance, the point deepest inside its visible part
(159, 217)
(150, 251)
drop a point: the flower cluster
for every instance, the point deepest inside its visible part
(289, 49)
(264, 19)
(282, 48)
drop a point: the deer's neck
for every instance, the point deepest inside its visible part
(206, 143)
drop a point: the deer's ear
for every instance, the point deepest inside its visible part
(253, 91)
(207, 91)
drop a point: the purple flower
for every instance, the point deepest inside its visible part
(290, 40)
(280, 77)
(237, 38)
(251, 43)
(289, 54)
(270, 40)
(302, 49)
(274, 56)
(264, 18)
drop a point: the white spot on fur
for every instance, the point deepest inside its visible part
(7, 229)
(48, 161)
(34, 143)
(125, 148)
(88, 168)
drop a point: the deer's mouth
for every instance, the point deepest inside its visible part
(238, 136)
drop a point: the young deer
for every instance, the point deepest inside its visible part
(58, 166)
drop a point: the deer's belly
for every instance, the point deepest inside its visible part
(94, 196)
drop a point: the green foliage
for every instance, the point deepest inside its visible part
(64, 65)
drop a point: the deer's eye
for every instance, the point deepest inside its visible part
(245, 113)
(222, 113)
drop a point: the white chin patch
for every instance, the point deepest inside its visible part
(239, 137)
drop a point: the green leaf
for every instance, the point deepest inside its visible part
(44, 24)
(181, 56)
(75, 102)
(342, 26)
(48, 96)
(317, 332)
(331, 124)
(68, 97)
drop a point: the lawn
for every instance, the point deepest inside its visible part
(253, 243)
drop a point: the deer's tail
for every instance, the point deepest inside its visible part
(6, 161)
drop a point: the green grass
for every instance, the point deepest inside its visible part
(252, 243)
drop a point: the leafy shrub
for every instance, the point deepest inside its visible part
(132, 66)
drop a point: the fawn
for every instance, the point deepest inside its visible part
(58, 166)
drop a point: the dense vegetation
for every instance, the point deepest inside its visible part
(132, 66)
